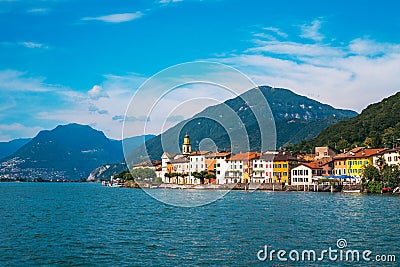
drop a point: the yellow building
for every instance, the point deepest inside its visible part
(282, 166)
(358, 160)
(353, 162)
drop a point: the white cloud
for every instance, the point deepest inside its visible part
(169, 1)
(276, 31)
(34, 45)
(11, 80)
(117, 18)
(97, 92)
(10, 131)
(38, 11)
(351, 75)
(295, 49)
(311, 31)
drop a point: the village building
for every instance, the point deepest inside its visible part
(306, 174)
(239, 167)
(217, 163)
(262, 171)
(283, 162)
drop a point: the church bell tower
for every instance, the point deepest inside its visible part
(186, 147)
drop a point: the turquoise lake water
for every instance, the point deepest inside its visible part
(80, 224)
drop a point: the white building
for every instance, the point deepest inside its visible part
(391, 157)
(262, 168)
(220, 165)
(198, 161)
(240, 169)
(304, 173)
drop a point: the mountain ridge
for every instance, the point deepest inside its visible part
(69, 151)
(286, 106)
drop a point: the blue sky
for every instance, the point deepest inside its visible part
(81, 61)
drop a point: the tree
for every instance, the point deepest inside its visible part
(381, 163)
(342, 144)
(127, 176)
(143, 173)
(390, 136)
(391, 176)
(200, 175)
(371, 173)
(368, 142)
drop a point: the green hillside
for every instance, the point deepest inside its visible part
(377, 126)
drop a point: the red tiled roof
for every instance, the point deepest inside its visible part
(245, 156)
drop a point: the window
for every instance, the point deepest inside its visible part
(255, 165)
(294, 172)
(274, 165)
(284, 173)
(218, 172)
(279, 165)
(305, 172)
(197, 159)
(396, 158)
(240, 167)
(317, 153)
(325, 153)
(261, 166)
(300, 172)
(202, 159)
(389, 158)
(206, 166)
(284, 165)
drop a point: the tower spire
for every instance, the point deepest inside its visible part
(186, 147)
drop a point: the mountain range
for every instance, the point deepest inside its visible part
(296, 118)
(7, 148)
(69, 152)
(73, 151)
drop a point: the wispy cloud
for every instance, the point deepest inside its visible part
(169, 1)
(311, 31)
(276, 31)
(9, 131)
(121, 118)
(33, 45)
(11, 80)
(38, 11)
(116, 18)
(346, 75)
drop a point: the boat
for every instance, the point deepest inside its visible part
(396, 190)
(352, 191)
(386, 190)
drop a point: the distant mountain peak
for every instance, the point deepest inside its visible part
(308, 117)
